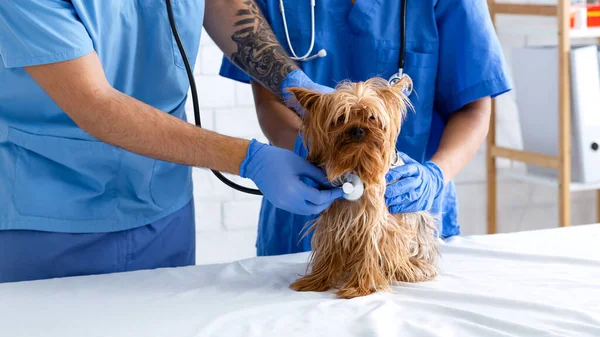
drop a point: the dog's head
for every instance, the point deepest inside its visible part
(354, 128)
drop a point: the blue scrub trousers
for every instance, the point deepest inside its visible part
(31, 255)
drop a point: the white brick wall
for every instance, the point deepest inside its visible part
(226, 219)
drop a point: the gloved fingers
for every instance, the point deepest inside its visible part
(317, 201)
(410, 184)
(326, 185)
(326, 197)
(404, 208)
(408, 206)
(402, 198)
(296, 193)
(309, 170)
(406, 158)
(318, 209)
(319, 197)
(401, 172)
(309, 182)
(321, 88)
(306, 210)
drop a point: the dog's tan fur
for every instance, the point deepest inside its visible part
(358, 247)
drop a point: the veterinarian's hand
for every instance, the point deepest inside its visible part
(288, 181)
(413, 187)
(298, 78)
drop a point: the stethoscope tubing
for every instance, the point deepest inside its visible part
(305, 57)
(402, 38)
(195, 103)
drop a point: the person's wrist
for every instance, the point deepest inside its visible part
(438, 173)
(247, 165)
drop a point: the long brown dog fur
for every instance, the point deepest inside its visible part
(358, 247)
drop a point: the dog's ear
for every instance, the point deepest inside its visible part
(305, 97)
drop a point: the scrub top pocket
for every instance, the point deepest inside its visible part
(81, 187)
(166, 195)
(421, 67)
(188, 16)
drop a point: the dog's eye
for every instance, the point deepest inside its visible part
(341, 119)
(372, 118)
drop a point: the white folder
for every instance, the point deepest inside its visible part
(585, 96)
(535, 72)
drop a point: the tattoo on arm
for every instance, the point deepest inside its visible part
(258, 52)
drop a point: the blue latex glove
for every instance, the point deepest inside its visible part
(298, 78)
(413, 187)
(288, 181)
(299, 147)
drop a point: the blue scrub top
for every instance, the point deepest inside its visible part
(53, 175)
(452, 55)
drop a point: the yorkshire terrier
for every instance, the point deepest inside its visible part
(358, 247)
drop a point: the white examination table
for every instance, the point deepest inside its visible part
(540, 283)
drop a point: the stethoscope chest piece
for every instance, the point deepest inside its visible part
(397, 160)
(407, 87)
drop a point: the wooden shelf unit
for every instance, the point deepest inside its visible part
(562, 161)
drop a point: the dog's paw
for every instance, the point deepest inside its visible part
(351, 292)
(422, 271)
(308, 283)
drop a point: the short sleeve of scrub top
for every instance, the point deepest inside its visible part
(471, 63)
(41, 31)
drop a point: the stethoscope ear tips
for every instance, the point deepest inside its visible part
(321, 53)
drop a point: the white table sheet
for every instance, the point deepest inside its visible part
(541, 283)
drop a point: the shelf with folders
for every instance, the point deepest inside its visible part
(560, 162)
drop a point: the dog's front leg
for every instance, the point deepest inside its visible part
(321, 277)
(326, 263)
(364, 274)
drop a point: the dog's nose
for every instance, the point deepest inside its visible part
(357, 133)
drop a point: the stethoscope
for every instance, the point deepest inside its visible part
(407, 87)
(306, 57)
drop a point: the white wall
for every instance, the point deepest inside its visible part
(226, 219)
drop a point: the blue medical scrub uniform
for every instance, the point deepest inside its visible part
(452, 55)
(71, 204)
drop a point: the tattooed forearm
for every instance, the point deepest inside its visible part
(258, 52)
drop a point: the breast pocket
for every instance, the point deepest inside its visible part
(422, 68)
(60, 178)
(188, 16)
